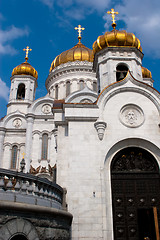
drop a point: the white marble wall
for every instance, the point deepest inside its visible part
(84, 160)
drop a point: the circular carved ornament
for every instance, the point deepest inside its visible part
(131, 116)
(46, 108)
(17, 122)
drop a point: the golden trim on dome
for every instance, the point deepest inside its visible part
(98, 43)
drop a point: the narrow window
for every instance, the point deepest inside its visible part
(121, 72)
(56, 92)
(44, 146)
(14, 156)
(81, 84)
(68, 88)
(21, 92)
(95, 86)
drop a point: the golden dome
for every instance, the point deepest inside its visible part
(78, 52)
(146, 73)
(25, 69)
(116, 38)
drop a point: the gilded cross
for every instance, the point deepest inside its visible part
(23, 155)
(79, 28)
(112, 12)
(27, 49)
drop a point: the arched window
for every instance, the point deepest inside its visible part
(81, 84)
(56, 92)
(68, 88)
(95, 86)
(21, 91)
(19, 237)
(121, 71)
(44, 146)
(14, 156)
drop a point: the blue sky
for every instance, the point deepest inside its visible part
(47, 26)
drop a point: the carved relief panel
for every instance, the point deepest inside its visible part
(131, 115)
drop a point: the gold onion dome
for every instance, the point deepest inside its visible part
(78, 53)
(25, 68)
(146, 73)
(116, 38)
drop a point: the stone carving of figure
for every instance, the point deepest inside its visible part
(131, 117)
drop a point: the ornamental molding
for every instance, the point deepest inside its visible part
(17, 123)
(46, 109)
(69, 68)
(100, 127)
(131, 116)
(138, 87)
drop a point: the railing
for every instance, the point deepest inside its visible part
(26, 188)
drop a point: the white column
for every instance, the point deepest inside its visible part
(2, 134)
(30, 121)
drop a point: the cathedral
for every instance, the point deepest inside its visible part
(82, 162)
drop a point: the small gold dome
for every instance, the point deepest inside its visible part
(116, 38)
(25, 69)
(146, 73)
(78, 52)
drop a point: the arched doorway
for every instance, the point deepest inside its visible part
(19, 237)
(135, 183)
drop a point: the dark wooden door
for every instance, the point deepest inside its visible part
(135, 191)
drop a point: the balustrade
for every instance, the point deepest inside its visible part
(26, 188)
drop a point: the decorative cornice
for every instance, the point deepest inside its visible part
(68, 68)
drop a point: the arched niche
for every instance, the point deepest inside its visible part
(21, 91)
(135, 184)
(121, 71)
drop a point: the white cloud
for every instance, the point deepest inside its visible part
(143, 18)
(99, 5)
(7, 36)
(78, 9)
(4, 90)
(48, 3)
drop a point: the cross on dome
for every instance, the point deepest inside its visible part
(23, 154)
(27, 49)
(79, 28)
(112, 12)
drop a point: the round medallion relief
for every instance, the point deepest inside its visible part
(131, 115)
(46, 108)
(17, 122)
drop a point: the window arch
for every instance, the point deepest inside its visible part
(121, 71)
(14, 157)
(81, 84)
(56, 92)
(68, 88)
(95, 86)
(19, 237)
(21, 91)
(44, 146)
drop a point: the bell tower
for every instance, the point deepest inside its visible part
(23, 86)
(115, 53)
